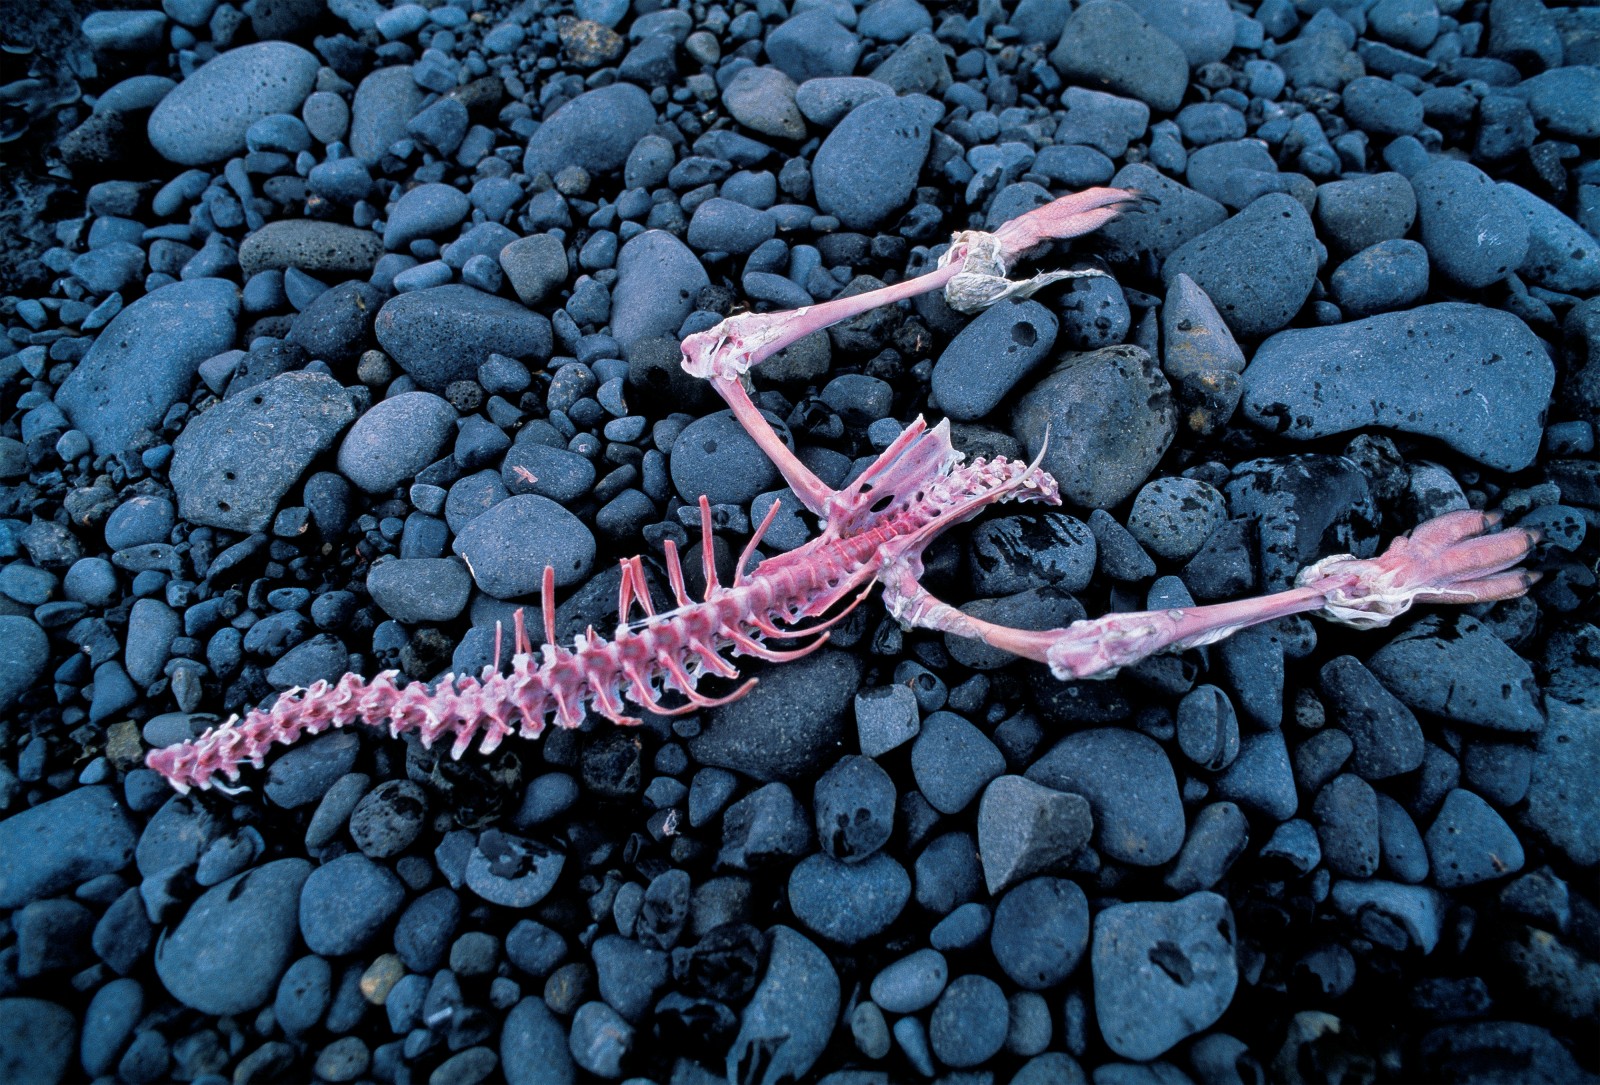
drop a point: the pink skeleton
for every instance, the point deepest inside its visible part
(875, 530)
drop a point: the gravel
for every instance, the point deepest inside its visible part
(330, 326)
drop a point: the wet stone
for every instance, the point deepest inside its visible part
(1453, 666)
(1162, 972)
(204, 966)
(988, 357)
(848, 903)
(233, 464)
(1032, 550)
(1041, 929)
(1388, 738)
(1025, 828)
(854, 803)
(1110, 417)
(1131, 789)
(968, 1026)
(1469, 842)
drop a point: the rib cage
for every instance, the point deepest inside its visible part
(664, 653)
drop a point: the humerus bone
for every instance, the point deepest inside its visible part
(875, 531)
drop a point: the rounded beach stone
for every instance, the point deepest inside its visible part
(205, 118)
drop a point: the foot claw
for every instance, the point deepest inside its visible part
(1446, 560)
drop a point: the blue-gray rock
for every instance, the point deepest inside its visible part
(812, 45)
(788, 1021)
(1203, 29)
(628, 974)
(420, 589)
(854, 803)
(1474, 232)
(445, 333)
(535, 265)
(558, 473)
(512, 871)
(337, 326)
(1473, 377)
(787, 726)
(1173, 517)
(1131, 789)
(1258, 267)
(1303, 507)
(886, 717)
(763, 100)
(533, 1046)
(1387, 737)
(714, 456)
(205, 963)
(1387, 275)
(1454, 667)
(1346, 813)
(1107, 45)
(23, 659)
(507, 548)
(968, 1026)
(1162, 972)
(145, 360)
(1469, 843)
(1358, 212)
(826, 100)
(1561, 254)
(1013, 554)
(424, 211)
(595, 131)
(911, 983)
(312, 245)
(233, 464)
(1178, 216)
(384, 103)
(1563, 807)
(1025, 827)
(36, 1038)
(1041, 929)
(1566, 100)
(1381, 107)
(108, 1024)
(658, 278)
(725, 226)
(152, 625)
(868, 166)
(990, 356)
(205, 118)
(952, 761)
(1110, 418)
(1260, 778)
(1385, 909)
(322, 658)
(304, 774)
(345, 903)
(394, 439)
(848, 903)
(61, 843)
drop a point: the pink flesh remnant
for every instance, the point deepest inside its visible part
(874, 533)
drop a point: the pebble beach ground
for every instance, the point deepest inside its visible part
(330, 325)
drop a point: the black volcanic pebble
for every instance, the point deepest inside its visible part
(449, 260)
(854, 804)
